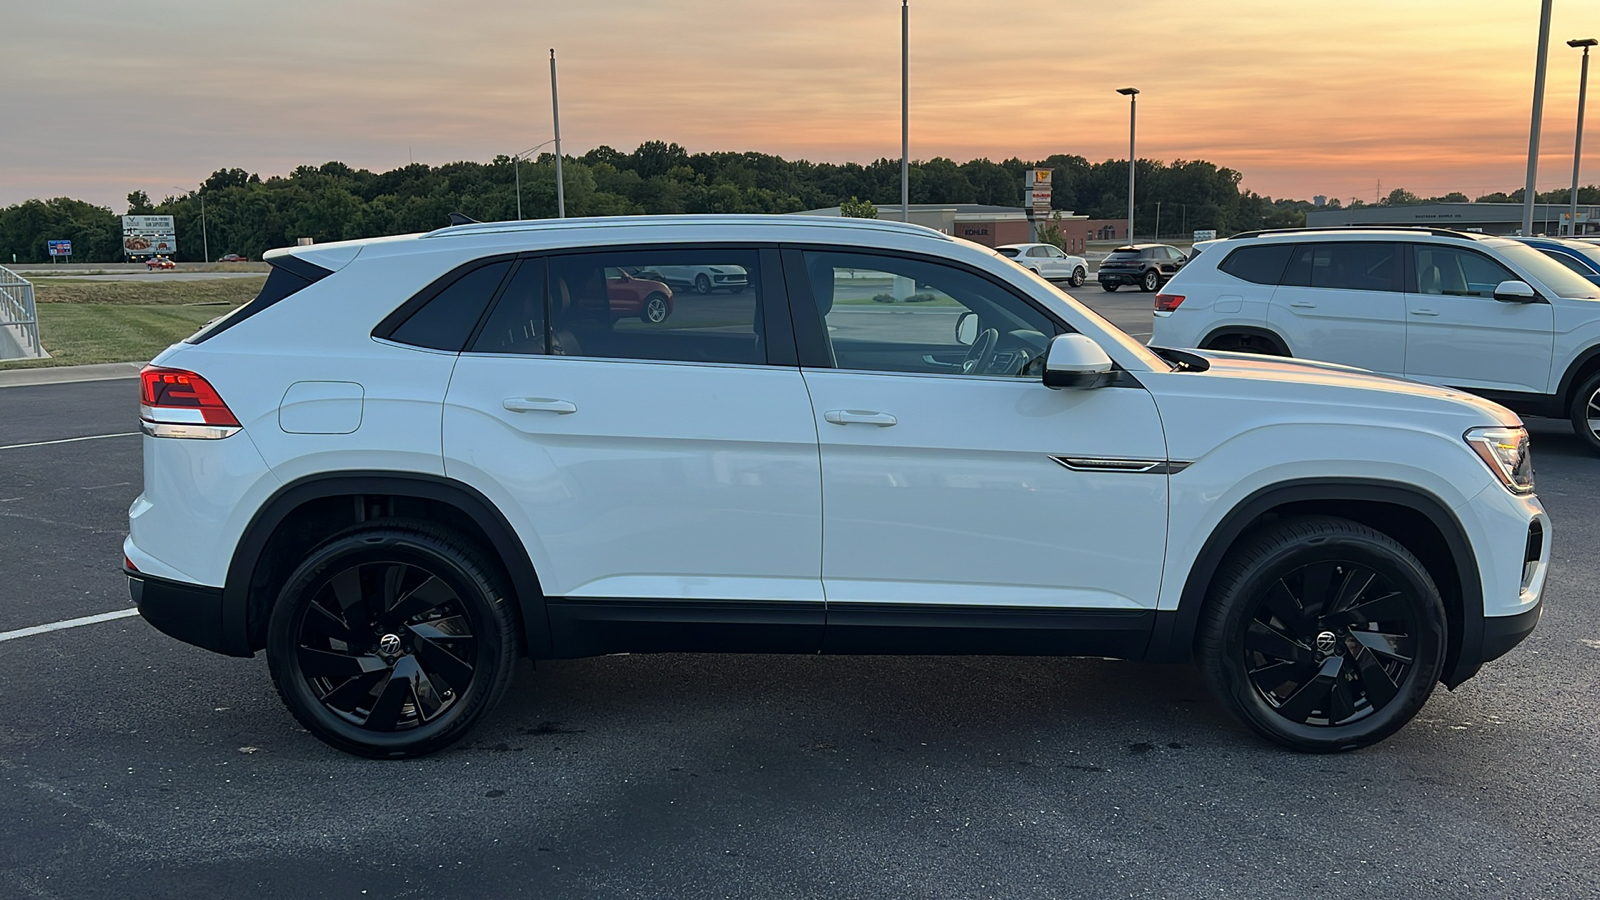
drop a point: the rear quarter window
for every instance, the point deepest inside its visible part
(1260, 264)
(443, 315)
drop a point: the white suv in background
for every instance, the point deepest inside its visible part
(413, 459)
(1493, 316)
(1047, 261)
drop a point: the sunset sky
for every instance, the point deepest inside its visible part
(101, 98)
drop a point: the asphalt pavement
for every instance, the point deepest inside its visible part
(135, 766)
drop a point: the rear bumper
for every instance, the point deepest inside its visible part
(1501, 633)
(1119, 277)
(191, 613)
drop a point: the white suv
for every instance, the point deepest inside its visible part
(413, 459)
(1493, 316)
(1048, 261)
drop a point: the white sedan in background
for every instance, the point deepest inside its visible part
(1048, 261)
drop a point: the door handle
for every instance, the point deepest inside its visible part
(1423, 312)
(539, 404)
(1301, 304)
(859, 417)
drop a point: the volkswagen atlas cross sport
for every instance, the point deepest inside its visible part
(412, 460)
(1494, 316)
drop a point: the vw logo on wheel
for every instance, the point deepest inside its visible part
(389, 644)
(1327, 642)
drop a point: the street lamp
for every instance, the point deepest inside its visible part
(516, 162)
(205, 239)
(1577, 144)
(1528, 193)
(1132, 93)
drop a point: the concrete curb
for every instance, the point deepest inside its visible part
(69, 374)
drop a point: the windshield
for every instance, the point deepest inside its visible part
(1589, 252)
(1145, 354)
(1553, 275)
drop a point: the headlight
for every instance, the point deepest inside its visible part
(1506, 452)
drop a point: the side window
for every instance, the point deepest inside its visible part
(445, 321)
(1352, 266)
(1260, 264)
(1455, 272)
(685, 305)
(1038, 251)
(891, 314)
(1054, 252)
(1571, 262)
(517, 324)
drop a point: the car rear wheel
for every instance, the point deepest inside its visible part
(1585, 412)
(392, 639)
(702, 284)
(1323, 635)
(1079, 275)
(655, 309)
(1151, 281)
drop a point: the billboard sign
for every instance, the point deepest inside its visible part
(1037, 183)
(1205, 234)
(59, 248)
(148, 236)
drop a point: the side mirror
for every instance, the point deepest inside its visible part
(967, 328)
(1515, 292)
(1075, 362)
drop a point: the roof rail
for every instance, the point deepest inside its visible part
(535, 225)
(1429, 229)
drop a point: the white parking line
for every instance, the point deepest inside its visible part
(92, 437)
(68, 623)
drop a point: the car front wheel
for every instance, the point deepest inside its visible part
(655, 309)
(392, 639)
(1322, 634)
(702, 284)
(1585, 412)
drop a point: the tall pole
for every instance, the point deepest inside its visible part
(905, 111)
(1133, 116)
(1577, 144)
(555, 112)
(517, 162)
(1538, 117)
(1158, 220)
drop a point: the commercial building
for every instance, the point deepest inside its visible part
(1490, 218)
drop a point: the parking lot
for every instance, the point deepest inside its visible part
(135, 766)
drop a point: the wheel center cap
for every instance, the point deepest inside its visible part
(389, 645)
(1327, 642)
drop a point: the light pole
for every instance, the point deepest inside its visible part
(516, 162)
(555, 113)
(1538, 117)
(905, 111)
(1577, 143)
(1132, 93)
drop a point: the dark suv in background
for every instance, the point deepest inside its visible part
(1147, 266)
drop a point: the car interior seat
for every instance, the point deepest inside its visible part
(821, 275)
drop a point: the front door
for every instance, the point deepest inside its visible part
(1341, 302)
(966, 506)
(662, 473)
(1458, 335)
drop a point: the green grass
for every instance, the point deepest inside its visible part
(77, 334)
(232, 291)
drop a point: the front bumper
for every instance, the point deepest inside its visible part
(191, 613)
(1501, 633)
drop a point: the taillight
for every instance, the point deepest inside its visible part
(1168, 302)
(179, 403)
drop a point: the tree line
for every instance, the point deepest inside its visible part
(248, 214)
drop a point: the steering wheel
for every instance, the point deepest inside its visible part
(981, 354)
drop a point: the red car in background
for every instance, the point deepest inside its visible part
(160, 262)
(232, 257)
(632, 296)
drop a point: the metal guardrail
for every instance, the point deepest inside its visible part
(17, 309)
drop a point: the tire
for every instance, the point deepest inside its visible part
(702, 284)
(1079, 276)
(1150, 281)
(655, 309)
(1585, 412)
(1108, 286)
(359, 676)
(1310, 679)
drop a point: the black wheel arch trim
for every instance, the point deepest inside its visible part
(507, 546)
(1569, 378)
(1250, 330)
(1174, 633)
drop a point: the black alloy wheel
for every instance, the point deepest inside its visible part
(1079, 275)
(1323, 635)
(1585, 412)
(392, 639)
(1151, 281)
(702, 284)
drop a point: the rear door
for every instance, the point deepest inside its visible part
(664, 475)
(1459, 335)
(1341, 301)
